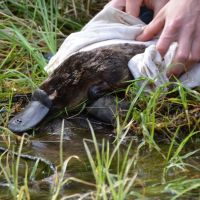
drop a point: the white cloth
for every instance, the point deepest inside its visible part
(151, 65)
(112, 26)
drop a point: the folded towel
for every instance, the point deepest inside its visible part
(113, 26)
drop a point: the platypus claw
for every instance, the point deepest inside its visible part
(32, 114)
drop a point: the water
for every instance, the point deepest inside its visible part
(46, 144)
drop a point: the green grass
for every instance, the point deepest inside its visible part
(31, 29)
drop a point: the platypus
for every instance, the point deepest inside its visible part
(84, 75)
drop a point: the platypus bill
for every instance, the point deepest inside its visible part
(84, 75)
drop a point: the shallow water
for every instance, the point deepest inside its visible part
(45, 144)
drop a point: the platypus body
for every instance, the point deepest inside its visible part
(84, 75)
(90, 73)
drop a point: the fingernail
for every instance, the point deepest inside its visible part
(175, 69)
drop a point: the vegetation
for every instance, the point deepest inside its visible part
(158, 135)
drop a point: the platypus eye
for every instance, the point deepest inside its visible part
(53, 95)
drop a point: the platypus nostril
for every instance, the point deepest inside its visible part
(18, 121)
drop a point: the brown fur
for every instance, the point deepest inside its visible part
(73, 78)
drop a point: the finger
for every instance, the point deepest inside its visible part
(180, 62)
(119, 4)
(177, 69)
(158, 6)
(133, 7)
(195, 52)
(153, 28)
(167, 36)
(190, 64)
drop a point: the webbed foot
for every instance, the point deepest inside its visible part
(104, 109)
(98, 90)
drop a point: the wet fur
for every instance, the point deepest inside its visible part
(105, 67)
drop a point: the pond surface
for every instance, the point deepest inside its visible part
(46, 144)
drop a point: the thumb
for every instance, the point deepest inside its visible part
(154, 28)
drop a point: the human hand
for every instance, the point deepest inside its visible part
(178, 21)
(133, 7)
